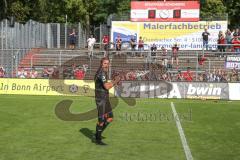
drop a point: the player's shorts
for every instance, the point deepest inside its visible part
(103, 104)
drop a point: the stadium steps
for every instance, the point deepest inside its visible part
(51, 57)
(26, 60)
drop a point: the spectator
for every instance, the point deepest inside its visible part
(236, 43)
(33, 73)
(188, 75)
(205, 76)
(105, 42)
(164, 57)
(91, 42)
(200, 77)
(201, 59)
(236, 32)
(179, 76)
(118, 44)
(22, 73)
(2, 72)
(175, 50)
(55, 73)
(153, 49)
(234, 75)
(133, 45)
(205, 35)
(67, 72)
(72, 38)
(221, 42)
(47, 72)
(79, 73)
(140, 45)
(228, 37)
(153, 53)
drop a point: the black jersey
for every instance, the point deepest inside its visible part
(100, 78)
(205, 35)
(102, 94)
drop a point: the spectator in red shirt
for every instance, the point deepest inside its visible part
(201, 59)
(79, 73)
(221, 41)
(105, 42)
(188, 75)
(236, 41)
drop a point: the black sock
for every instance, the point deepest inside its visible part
(99, 130)
(105, 126)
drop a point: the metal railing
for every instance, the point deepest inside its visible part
(121, 60)
(43, 35)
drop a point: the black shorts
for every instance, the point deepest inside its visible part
(72, 40)
(103, 105)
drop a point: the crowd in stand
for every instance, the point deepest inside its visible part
(229, 38)
(72, 72)
(154, 72)
(217, 75)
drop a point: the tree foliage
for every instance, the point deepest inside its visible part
(213, 9)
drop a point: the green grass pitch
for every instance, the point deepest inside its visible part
(30, 130)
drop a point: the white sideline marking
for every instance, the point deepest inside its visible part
(186, 148)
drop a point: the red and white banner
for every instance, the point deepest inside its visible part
(174, 11)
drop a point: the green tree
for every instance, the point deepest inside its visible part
(213, 10)
(124, 8)
(233, 11)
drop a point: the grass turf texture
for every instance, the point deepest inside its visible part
(30, 130)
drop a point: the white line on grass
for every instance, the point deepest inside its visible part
(181, 133)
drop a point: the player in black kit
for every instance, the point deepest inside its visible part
(102, 86)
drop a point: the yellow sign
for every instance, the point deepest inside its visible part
(188, 35)
(47, 87)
